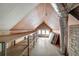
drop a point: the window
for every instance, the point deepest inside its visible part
(43, 31)
(39, 31)
(47, 31)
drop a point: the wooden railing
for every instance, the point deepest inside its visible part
(26, 44)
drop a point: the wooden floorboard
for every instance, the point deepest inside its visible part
(17, 49)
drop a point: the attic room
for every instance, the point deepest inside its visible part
(39, 29)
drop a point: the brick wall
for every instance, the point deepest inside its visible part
(73, 46)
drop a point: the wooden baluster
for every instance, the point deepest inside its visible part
(14, 42)
(3, 49)
(28, 45)
(33, 40)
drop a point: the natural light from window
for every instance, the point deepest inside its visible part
(43, 31)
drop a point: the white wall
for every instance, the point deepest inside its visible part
(11, 14)
(51, 35)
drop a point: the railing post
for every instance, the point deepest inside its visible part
(14, 42)
(3, 49)
(28, 45)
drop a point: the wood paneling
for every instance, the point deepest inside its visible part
(43, 25)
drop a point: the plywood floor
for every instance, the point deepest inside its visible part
(44, 48)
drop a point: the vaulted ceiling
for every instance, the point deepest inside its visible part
(27, 16)
(42, 13)
(12, 13)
